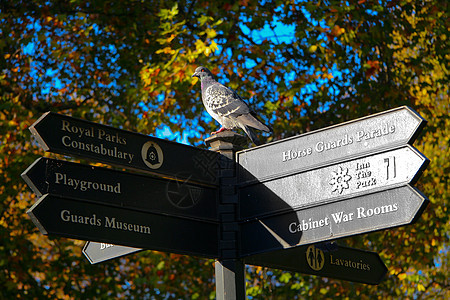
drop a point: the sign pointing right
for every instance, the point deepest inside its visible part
(340, 263)
(332, 183)
(72, 218)
(368, 135)
(363, 214)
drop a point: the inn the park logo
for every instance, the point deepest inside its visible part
(315, 258)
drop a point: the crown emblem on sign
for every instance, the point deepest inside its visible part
(152, 155)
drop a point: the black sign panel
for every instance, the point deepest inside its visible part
(70, 136)
(366, 213)
(339, 262)
(72, 218)
(122, 189)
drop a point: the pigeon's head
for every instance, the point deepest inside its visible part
(202, 72)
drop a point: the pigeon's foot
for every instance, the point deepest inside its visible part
(220, 130)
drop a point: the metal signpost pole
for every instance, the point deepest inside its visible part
(230, 272)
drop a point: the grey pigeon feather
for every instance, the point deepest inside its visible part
(226, 107)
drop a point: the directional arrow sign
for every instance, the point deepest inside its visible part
(122, 189)
(100, 252)
(76, 219)
(71, 136)
(332, 183)
(343, 263)
(365, 213)
(333, 144)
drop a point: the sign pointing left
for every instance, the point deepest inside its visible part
(122, 189)
(55, 215)
(100, 252)
(70, 136)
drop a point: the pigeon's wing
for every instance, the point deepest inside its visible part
(224, 102)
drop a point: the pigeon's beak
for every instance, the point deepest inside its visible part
(195, 75)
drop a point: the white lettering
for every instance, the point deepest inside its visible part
(309, 224)
(83, 185)
(101, 149)
(113, 223)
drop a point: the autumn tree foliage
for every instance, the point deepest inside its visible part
(302, 65)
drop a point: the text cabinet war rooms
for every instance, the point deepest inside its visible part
(294, 196)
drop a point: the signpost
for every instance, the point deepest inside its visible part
(362, 214)
(122, 189)
(339, 181)
(70, 136)
(83, 220)
(100, 252)
(342, 263)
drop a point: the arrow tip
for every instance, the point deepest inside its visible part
(33, 217)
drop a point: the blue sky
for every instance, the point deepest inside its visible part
(277, 33)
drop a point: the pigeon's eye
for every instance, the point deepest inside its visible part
(203, 70)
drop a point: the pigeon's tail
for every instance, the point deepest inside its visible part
(251, 134)
(252, 121)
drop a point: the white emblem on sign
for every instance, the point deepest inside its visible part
(340, 180)
(152, 155)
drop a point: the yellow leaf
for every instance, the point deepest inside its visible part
(402, 276)
(210, 33)
(213, 46)
(312, 49)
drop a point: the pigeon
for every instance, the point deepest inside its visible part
(226, 107)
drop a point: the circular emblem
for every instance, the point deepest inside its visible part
(183, 195)
(315, 258)
(152, 155)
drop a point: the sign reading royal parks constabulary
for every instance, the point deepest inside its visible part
(340, 263)
(333, 182)
(71, 136)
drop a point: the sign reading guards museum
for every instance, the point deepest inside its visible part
(343, 180)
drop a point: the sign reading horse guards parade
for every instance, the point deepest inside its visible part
(55, 215)
(70, 136)
(340, 263)
(345, 141)
(333, 183)
(362, 214)
(122, 189)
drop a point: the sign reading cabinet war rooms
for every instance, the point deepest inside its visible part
(343, 180)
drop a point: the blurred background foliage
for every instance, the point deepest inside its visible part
(302, 65)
